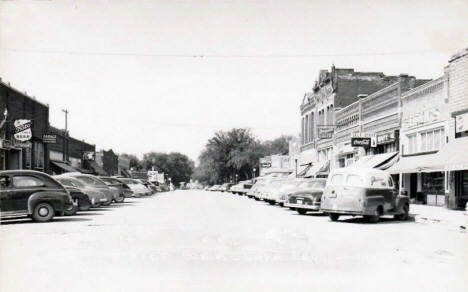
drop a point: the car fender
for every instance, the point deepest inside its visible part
(400, 202)
(372, 203)
(59, 200)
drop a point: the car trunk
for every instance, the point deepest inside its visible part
(343, 198)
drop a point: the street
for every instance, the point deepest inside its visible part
(193, 240)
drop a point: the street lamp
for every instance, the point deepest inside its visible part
(295, 159)
(254, 172)
(236, 178)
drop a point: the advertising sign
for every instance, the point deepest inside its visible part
(265, 164)
(49, 139)
(386, 138)
(5, 144)
(20, 144)
(361, 142)
(23, 130)
(325, 132)
(372, 137)
(461, 123)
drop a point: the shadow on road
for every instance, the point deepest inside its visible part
(382, 220)
(30, 221)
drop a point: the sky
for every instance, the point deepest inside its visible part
(140, 76)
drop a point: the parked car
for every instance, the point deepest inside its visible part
(96, 183)
(164, 187)
(363, 192)
(158, 186)
(124, 190)
(307, 198)
(32, 193)
(137, 188)
(95, 196)
(148, 185)
(80, 201)
(214, 188)
(285, 185)
(225, 187)
(270, 185)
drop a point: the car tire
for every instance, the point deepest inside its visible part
(404, 215)
(85, 207)
(271, 202)
(119, 199)
(256, 199)
(107, 203)
(97, 205)
(137, 195)
(334, 217)
(240, 194)
(43, 212)
(301, 211)
(71, 211)
(281, 204)
(375, 217)
(292, 208)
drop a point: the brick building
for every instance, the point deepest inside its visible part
(32, 153)
(108, 161)
(334, 90)
(68, 151)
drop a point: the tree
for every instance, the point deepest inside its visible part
(174, 165)
(277, 146)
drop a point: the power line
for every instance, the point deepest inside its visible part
(216, 55)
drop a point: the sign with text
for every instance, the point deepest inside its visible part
(265, 165)
(20, 144)
(325, 132)
(23, 130)
(361, 142)
(5, 144)
(372, 137)
(386, 138)
(49, 138)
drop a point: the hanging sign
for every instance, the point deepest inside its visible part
(49, 139)
(325, 131)
(23, 130)
(26, 144)
(363, 140)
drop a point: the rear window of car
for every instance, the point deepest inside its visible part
(354, 180)
(27, 181)
(317, 184)
(336, 179)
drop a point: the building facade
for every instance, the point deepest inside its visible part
(24, 120)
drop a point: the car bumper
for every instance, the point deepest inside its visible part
(303, 206)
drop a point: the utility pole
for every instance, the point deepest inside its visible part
(65, 137)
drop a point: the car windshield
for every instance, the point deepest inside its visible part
(78, 183)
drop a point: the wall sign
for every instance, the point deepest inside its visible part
(21, 144)
(5, 144)
(362, 142)
(265, 165)
(49, 138)
(372, 139)
(424, 117)
(23, 130)
(325, 132)
(386, 138)
(461, 123)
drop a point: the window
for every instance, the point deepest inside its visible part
(65, 182)
(317, 184)
(38, 155)
(411, 144)
(303, 134)
(432, 140)
(336, 179)
(354, 180)
(27, 158)
(27, 181)
(311, 127)
(4, 181)
(86, 180)
(307, 129)
(390, 182)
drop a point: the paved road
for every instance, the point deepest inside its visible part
(211, 241)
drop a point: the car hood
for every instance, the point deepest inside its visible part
(308, 193)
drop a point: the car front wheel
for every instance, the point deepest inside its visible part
(43, 212)
(97, 205)
(71, 211)
(302, 211)
(333, 216)
(119, 199)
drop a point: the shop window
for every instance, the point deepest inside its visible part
(38, 155)
(433, 183)
(27, 157)
(432, 140)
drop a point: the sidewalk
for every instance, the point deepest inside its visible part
(454, 219)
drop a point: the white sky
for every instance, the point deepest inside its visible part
(125, 70)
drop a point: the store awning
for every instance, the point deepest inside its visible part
(374, 161)
(454, 155)
(125, 173)
(278, 170)
(414, 164)
(62, 166)
(321, 166)
(97, 168)
(303, 170)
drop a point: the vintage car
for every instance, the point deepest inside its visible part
(225, 187)
(363, 192)
(148, 185)
(80, 201)
(306, 183)
(307, 198)
(242, 187)
(214, 188)
(95, 196)
(288, 184)
(32, 193)
(136, 186)
(96, 183)
(124, 189)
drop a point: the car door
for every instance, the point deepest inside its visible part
(6, 194)
(23, 186)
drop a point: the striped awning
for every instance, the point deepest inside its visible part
(374, 161)
(454, 155)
